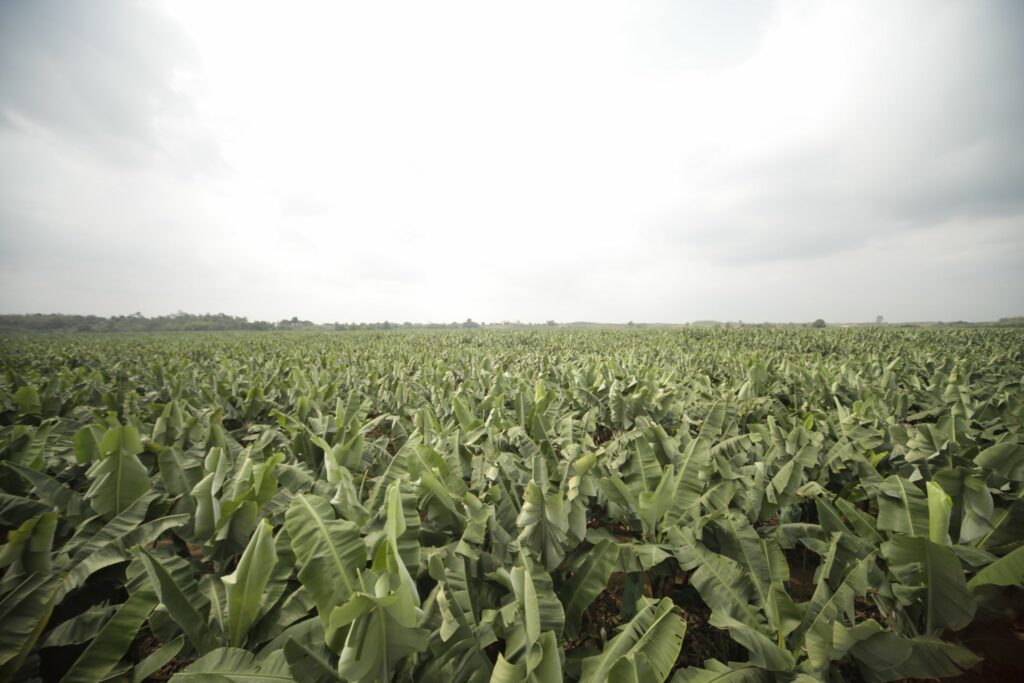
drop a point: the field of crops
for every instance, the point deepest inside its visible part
(601, 505)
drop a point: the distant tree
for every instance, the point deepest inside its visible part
(879, 320)
(551, 323)
(469, 323)
(818, 323)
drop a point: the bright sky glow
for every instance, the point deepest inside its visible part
(606, 161)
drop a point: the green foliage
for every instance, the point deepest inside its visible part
(545, 505)
(644, 650)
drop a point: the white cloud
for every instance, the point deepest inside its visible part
(607, 161)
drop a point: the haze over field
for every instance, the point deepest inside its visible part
(655, 161)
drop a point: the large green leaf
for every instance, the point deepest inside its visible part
(763, 652)
(902, 507)
(173, 597)
(54, 492)
(1006, 571)
(690, 483)
(1005, 458)
(157, 659)
(828, 605)
(382, 632)
(724, 586)
(28, 549)
(113, 640)
(245, 586)
(542, 665)
(85, 542)
(931, 576)
(717, 672)
(383, 625)
(653, 505)
(589, 579)
(232, 665)
(874, 647)
(87, 443)
(763, 560)
(310, 662)
(533, 610)
(24, 612)
(330, 552)
(402, 526)
(544, 524)
(458, 646)
(940, 506)
(645, 649)
(927, 657)
(119, 478)
(15, 509)
(113, 547)
(79, 629)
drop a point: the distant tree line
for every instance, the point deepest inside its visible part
(189, 322)
(469, 323)
(215, 322)
(136, 322)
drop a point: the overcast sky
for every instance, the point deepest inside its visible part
(425, 161)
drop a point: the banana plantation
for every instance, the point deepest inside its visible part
(628, 505)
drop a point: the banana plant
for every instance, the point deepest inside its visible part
(381, 620)
(118, 477)
(530, 622)
(330, 555)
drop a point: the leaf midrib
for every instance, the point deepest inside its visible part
(327, 538)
